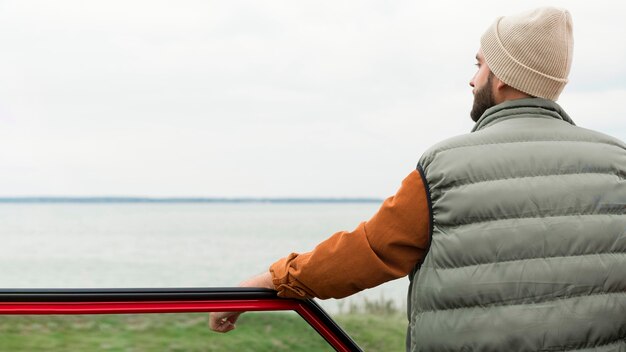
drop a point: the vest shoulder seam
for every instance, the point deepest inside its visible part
(607, 143)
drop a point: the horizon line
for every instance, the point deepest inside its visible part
(131, 199)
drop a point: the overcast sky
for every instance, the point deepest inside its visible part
(259, 98)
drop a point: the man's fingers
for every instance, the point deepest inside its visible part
(224, 326)
(223, 322)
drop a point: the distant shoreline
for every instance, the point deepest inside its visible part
(181, 200)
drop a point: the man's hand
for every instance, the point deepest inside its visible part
(225, 321)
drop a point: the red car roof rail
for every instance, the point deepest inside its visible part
(170, 300)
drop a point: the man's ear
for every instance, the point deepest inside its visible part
(499, 85)
(502, 91)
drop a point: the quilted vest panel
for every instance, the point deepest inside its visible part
(528, 245)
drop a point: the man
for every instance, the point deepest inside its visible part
(513, 236)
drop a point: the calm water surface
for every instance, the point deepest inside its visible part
(167, 244)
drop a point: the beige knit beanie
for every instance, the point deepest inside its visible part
(531, 52)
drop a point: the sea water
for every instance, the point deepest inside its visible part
(96, 245)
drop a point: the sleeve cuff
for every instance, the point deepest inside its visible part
(284, 283)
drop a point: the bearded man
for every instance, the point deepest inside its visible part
(513, 236)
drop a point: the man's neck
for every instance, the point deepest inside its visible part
(511, 94)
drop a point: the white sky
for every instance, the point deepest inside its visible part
(259, 98)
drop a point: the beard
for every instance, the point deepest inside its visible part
(483, 100)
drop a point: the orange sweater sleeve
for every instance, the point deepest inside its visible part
(384, 248)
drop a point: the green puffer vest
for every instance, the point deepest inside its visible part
(528, 237)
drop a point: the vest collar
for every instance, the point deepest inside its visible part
(510, 109)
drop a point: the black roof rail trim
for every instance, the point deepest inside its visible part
(133, 294)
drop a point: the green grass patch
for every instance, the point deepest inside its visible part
(376, 332)
(273, 331)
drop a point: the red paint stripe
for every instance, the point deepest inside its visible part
(143, 307)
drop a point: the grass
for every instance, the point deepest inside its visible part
(189, 332)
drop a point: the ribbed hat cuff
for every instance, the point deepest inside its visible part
(516, 74)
